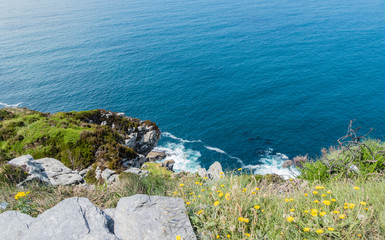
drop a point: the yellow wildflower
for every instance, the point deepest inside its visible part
(291, 179)
(181, 185)
(329, 192)
(320, 231)
(366, 208)
(217, 236)
(253, 192)
(292, 210)
(197, 183)
(175, 193)
(352, 205)
(357, 188)
(201, 211)
(315, 192)
(306, 211)
(205, 177)
(323, 195)
(305, 194)
(322, 214)
(227, 196)
(257, 207)
(256, 189)
(244, 190)
(247, 235)
(222, 185)
(220, 194)
(316, 201)
(313, 212)
(286, 200)
(330, 229)
(239, 169)
(326, 202)
(221, 173)
(319, 187)
(306, 229)
(178, 237)
(290, 219)
(336, 212)
(333, 199)
(246, 220)
(188, 203)
(216, 203)
(291, 199)
(363, 203)
(228, 235)
(342, 216)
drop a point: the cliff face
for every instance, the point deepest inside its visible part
(78, 139)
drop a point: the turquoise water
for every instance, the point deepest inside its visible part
(243, 82)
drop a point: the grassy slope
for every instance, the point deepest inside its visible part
(68, 137)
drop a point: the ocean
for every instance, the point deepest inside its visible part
(249, 83)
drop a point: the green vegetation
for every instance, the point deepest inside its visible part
(75, 138)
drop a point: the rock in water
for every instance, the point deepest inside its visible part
(155, 156)
(287, 163)
(168, 164)
(152, 217)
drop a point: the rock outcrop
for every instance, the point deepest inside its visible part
(46, 170)
(137, 217)
(77, 139)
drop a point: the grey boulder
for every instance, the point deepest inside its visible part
(152, 217)
(14, 225)
(214, 171)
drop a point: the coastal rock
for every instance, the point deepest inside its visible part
(155, 156)
(73, 218)
(47, 170)
(214, 171)
(107, 173)
(287, 163)
(169, 164)
(14, 225)
(299, 161)
(152, 217)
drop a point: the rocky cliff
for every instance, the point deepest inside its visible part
(78, 139)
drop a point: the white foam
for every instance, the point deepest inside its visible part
(273, 164)
(225, 153)
(167, 134)
(10, 105)
(185, 159)
(215, 149)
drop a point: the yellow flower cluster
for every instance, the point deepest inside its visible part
(21, 194)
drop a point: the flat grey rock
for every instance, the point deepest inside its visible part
(152, 217)
(73, 218)
(14, 225)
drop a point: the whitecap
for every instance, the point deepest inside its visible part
(10, 105)
(186, 159)
(167, 134)
(225, 153)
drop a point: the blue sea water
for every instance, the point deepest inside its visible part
(246, 82)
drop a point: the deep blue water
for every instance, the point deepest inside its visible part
(249, 78)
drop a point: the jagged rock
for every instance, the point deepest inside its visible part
(287, 163)
(14, 225)
(152, 217)
(169, 164)
(155, 156)
(84, 172)
(46, 170)
(73, 218)
(214, 171)
(136, 162)
(107, 173)
(137, 171)
(59, 174)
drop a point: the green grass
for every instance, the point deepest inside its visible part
(68, 137)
